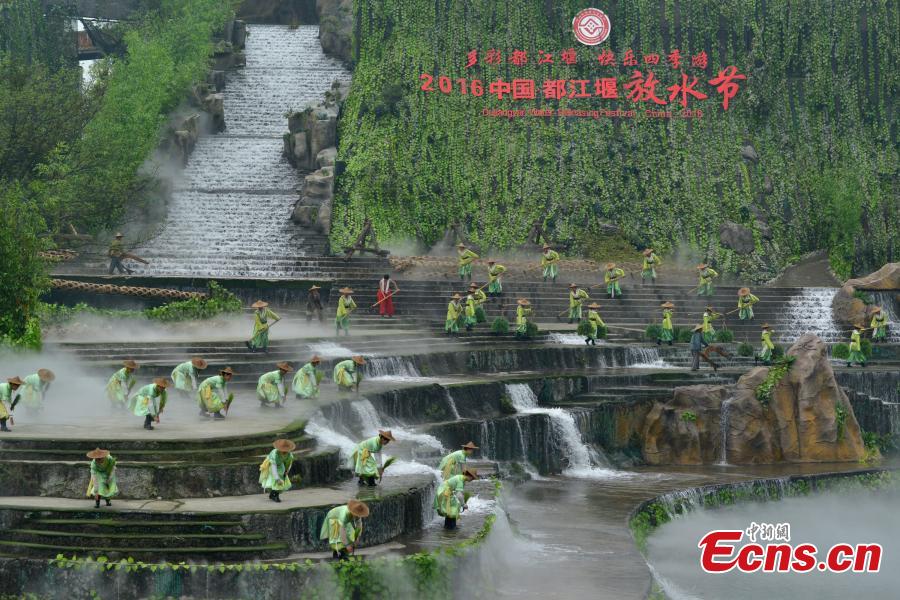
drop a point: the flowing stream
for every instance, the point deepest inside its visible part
(229, 212)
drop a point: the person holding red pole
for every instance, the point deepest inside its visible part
(387, 287)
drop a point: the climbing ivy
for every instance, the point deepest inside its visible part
(777, 371)
(817, 106)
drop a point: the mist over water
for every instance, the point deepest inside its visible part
(823, 520)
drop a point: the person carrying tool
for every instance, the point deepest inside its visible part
(262, 316)
(697, 345)
(116, 254)
(495, 272)
(611, 278)
(465, 258)
(9, 397)
(648, 268)
(856, 353)
(765, 353)
(523, 311)
(387, 287)
(595, 323)
(366, 458)
(454, 310)
(707, 274)
(345, 306)
(103, 482)
(149, 401)
(879, 324)
(577, 297)
(478, 295)
(709, 332)
(746, 300)
(550, 263)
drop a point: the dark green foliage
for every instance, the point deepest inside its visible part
(840, 351)
(506, 405)
(500, 326)
(865, 346)
(861, 295)
(602, 331)
(682, 335)
(22, 272)
(531, 331)
(33, 32)
(584, 328)
(652, 332)
(689, 417)
(817, 107)
(778, 351)
(725, 336)
(745, 349)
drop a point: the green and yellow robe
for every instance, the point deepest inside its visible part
(576, 299)
(103, 478)
(185, 377)
(611, 278)
(118, 388)
(345, 305)
(340, 528)
(648, 269)
(454, 310)
(148, 401)
(856, 355)
(346, 375)
(879, 326)
(364, 457)
(745, 306)
(261, 318)
(212, 395)
(765, 353)
(495, 286)
(464, 262)
(667, 332)
(33, 391)
(706, 281)
(450, 497)
(709, 332)
(453, 464)
(307, 380)
(522, 314)
(550, 264)
(271, 388)
(595, 322)
(7, 396)
(274, 469)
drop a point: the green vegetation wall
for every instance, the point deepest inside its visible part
(817, 108)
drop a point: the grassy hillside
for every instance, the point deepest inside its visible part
(818, 109)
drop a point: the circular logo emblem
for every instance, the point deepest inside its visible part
(591, 26)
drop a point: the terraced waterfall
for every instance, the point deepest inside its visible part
(229, 213)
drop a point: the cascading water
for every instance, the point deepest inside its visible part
(646, 358)
(451, 403)
(810, 312)
(582, 459)
(229, 214)
(391, 368)
(330, 350)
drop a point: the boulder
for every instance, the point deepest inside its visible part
(672, 437)
(808, 419)
(849, 310)
(336, 28)
(748, 153)
(326, 157)
(312, 130)
(736, 237)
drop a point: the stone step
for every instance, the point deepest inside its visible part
(110, 524)
(151, 553)
(87, 541)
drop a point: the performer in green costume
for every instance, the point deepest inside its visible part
(118, 388)
(103, 477)
(746, 300)
(709, 332)
(213, 395)
(577, 298)
(523, 311)
(611, 278)
(480, 298)
(186, 376)
(345, 306)
(363, 459)
(879, 324)
(765, 353)
(550, 263)
(465, 259)
(454, 311)
(262, 316)
(9, 396)
(272, 387)
(667, 331)
(707, 274)
(343, 527)
(275, 470)
(307, 380)
(648, 268)
(34, 389)
(347, 374)
(595, 323)
(149, 401)
(856, 354)
(455, 462)
(450, 499)
(495, 272)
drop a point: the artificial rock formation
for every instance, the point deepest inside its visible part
(736, 237)
(809, 418)
(336, 27)
(310, 145)
(849, 310)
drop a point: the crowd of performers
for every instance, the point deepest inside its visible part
(342, 526)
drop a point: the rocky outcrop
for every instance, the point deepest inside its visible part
(808, 419)
(736, 237)
(336, 28)
(310, 145)
(849, 310)
(685, 430)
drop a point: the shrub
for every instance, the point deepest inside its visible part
(506, 405)
(840, 351)
(652, 332)
(745, 349)
(602, 331)
(683, 335)
(861, 295)
(531, 330)
(500, 326)
(778, 351)
(584, 328)
(724, 336)
(688, 417)
(865, 347)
